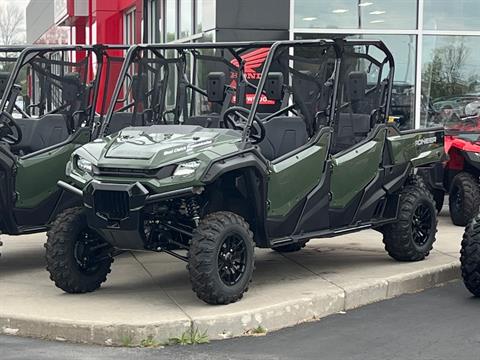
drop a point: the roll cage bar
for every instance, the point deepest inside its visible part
(339, 48)
(236, 48)
(31, 52)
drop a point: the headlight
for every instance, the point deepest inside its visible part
(84, 165)
(473, 156)
(186, 168)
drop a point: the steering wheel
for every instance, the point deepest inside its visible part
(10, 132)
(236, 118)
(375, 117)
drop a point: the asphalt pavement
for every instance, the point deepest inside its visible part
(439, 323)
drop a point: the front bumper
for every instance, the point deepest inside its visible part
(115, 210)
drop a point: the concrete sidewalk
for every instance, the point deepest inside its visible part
(150, 295)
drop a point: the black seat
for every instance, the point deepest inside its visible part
(353, 126)
(283, 134)
(216, 96)
(41, 133)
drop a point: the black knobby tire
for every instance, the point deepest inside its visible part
(411, 238)
(290, 247)
(464, 198)
(78, 259)
(470, 256)
(439, 197)
(217, 278)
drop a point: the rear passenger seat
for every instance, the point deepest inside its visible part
(353, 126)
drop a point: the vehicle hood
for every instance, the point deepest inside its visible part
(155, 145)
(461, 143)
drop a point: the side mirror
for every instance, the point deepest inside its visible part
(274, 86)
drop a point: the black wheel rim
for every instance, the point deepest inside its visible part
(90, 252)
(232, 259)
(422, 224)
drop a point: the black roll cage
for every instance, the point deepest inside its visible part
(26, 54)
(236, 48)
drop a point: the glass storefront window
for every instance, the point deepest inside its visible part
(198, 16)
(204, 18)
(450, 78)
(129, 27)
(451, 15)
(153, 21)
(356, 14)
(403, 48)
(185, 18)
(170, 20)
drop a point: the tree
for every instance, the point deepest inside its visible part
(444, 75)
(11, 21)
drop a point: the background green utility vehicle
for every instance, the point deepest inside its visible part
(236, 158)
(48, 107)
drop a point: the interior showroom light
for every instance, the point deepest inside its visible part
(339, 11)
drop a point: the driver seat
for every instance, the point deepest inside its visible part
(283, 134)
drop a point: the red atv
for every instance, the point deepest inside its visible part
(460, 174)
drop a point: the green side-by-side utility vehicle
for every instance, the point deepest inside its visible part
(49, 97)
(209, 150)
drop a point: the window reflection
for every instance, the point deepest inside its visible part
(185, 18)
(356, 14)
(450, 78)
(170, 20)
(451, 15)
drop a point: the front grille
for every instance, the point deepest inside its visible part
(161, 173)
(113, 205)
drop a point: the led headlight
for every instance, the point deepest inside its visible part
(186, 168)
(84, 165)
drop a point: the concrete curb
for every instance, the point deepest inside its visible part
(276, 316)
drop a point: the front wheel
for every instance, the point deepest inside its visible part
(78, 259)
(411, 238)
(470, 256)
(464, 198)
(221, 258)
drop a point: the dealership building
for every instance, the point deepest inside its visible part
(434, 42)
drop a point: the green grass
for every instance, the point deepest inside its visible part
(190, 337)
(149, 342)
(259, 330)
(127, 341)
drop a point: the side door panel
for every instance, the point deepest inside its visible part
(290, 181)
(36, 177)
(354, 170)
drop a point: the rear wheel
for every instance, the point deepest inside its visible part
(411, 238)
(464, 198)
(470, 256)
(78, 259)
(221, 258)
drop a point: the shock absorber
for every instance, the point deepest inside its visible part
(193, 210)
